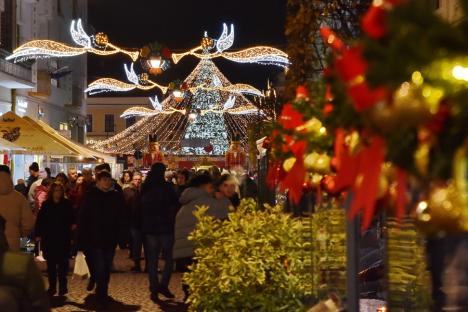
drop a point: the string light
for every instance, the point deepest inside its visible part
(48, 48)
(460, 72)
(226, 40)
(260, 55)
(220, 116)
(107, 85)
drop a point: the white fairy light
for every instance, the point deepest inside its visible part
(48, 48)
(229, 103)
(131, 75)
(79, 36)
(259, 55)
(225, 41)
(155, 103)
(108, 85)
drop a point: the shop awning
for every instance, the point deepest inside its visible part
(82, 150)
(32, 138)
(7, 146)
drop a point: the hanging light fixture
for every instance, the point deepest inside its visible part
(178, 95)
(155, 64)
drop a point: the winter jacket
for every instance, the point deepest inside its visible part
(14, 208)
(32, 189)
(21, 284)
(22, 189)
(158, 209)
(133, 206)
(191, 199)
(53, 225)
(101, 222)
(40, 196)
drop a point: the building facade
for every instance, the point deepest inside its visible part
(103, 116)
(48, 89)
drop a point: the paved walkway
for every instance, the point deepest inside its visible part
(129, 290)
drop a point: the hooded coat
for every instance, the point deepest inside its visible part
(53, 225)
(15, 209)
(101, 221)
(191, 199)
(158, 203)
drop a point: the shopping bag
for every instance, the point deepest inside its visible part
(40, 257)
(81, 268)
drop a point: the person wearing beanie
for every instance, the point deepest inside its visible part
(159, 203)
(15, 209)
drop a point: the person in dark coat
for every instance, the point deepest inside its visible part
(21, 287)
(33, 175)
(53, 229)
(132, 195)
(21, 187)
(159, 203)
(100, 227)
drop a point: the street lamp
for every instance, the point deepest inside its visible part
(155, 64)
(178, 95)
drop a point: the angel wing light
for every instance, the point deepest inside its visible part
(156, 105)
(225, 41)
(260, 55)
(229, 103)
(111, 84)
(131, 75)
(97, 44)
(140, 111)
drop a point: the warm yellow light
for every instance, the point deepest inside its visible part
(417, 78)
(155, 62)
(192, 116)
(323, 130)
(178, 93)
(460, 72)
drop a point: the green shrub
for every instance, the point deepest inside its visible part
(254, 261)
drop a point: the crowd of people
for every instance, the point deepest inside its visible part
(151, 215)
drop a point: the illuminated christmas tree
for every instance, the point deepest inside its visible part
(199, 117)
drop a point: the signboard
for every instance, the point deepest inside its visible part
(195, 142)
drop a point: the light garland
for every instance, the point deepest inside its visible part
(260, 55)
(220, 117)
(48, 48)
(108, 85)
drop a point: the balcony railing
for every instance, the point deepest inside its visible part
(15, 70)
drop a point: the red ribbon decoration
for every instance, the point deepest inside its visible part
(290, 118)
(365, 193)
(331, 39)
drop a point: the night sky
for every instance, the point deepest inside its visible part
(180, 25)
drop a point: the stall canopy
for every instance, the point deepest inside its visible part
(82, 150)
(32, 138)
(7, 146)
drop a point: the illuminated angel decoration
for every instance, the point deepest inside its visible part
(260, 55)
(140, 111)
(114, 85)
(110, 84)
(206, 113)
(228, 108)
(97, 44)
